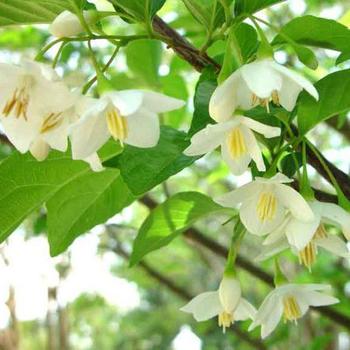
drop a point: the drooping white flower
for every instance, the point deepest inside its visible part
(265, 202)
(237, 140)
(130, 116)
(256, 83)
(34, 107)
(67, 24)
(292, 301)
(226, 303)
(304, 238)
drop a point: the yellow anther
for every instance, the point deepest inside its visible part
(254, 99)
(308, 255)
(52, 121)
(18, 104)
(275, 97)
(266, 208)
(236, 144)
(320, 232)
(225, 320)
(291, 309)
(117, 125)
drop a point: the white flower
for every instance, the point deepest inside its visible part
(265, 202)
(304, 238)
(129, 116)
(34, 106)
(237, 140)
(226, 303)
(67, 24)
(256, 83)
(292, 301)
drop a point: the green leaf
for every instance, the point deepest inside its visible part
(344, 56)
(26, 183)
(13, 12)
(209, 13)
(252, 6)
(84, 202)
(334, 99)
(241, 44)
(142, 10)
(170, 219)
(306, 56)
(205, 88)
(144, 58)
(144, 168)
(316, 31)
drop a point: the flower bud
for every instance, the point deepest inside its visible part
(229, 293)
(67, 24)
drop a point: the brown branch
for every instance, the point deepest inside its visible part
(182, 47)
(184, 294)
(198, 237)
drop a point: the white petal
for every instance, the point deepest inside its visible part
(297, 78)
(276, 179)
(208, 138)
(336, 215)
(295, 202)
(279, 233)
(94, 162)
(239, 195)
(223, 101)
(253, 148)
(269, 314)
(229, 293)
(244, 96)
(40, 149)
(334, 245)
(268, 251)
(89, 133)
(300, 233)
(20, 132)
(289, 93)
(159, 103)
(316, 299)
(245, 310)
(127, 101)
(266, 130)
(312, 287)
(204, 306)
(57, 138)
(250, 219)
(143, 129)
(237, 166)
(261, 79)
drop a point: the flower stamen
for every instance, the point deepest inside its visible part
(17, 103)
(320, 232)
(267, 205)
(52, 121)
(225, 320)
(291, 309)
(275, 98)
(308, 255)
(236, 144)
(117, 125)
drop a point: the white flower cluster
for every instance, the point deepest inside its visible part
(267, 206)
(39, 112)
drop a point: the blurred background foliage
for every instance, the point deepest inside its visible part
(169, 277)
